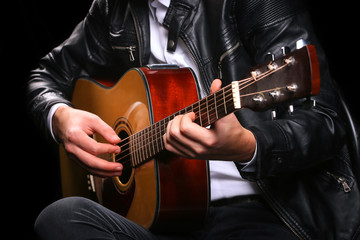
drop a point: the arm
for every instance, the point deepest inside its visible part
(82, 54)
(310, 136)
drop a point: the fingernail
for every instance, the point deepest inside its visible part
(115, 137)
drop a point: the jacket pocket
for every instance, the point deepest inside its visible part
(129, 49)
(342, 182)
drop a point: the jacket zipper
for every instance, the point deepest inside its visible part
(223, 56)
(273, 207)
(130, 49)
(288, 225)
(341, 181)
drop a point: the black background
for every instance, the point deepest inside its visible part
(31, 28)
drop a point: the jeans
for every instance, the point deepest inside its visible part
(79, 218)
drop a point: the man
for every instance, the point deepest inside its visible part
(287, 178)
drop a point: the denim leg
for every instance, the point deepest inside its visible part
(79, 218)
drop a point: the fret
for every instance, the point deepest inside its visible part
(151, 141)
(147, 143)
(163, 124)
(142, 155)
(223, 93)
(144, 143)
(133, 152)
(189, 109)
(182, 111)
(200, 123)
(207, 111)
(155, 136)
(215, 103)
(152, 138)
(211, 109)
(138, 148)
(203, 112)
(158, 136)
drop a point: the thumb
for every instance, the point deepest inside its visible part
(216, 85)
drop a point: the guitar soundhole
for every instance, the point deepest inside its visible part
(124, 130)
(124, 157)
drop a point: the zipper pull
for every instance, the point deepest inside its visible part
(131, 49)
(345, 185)
(340, 180)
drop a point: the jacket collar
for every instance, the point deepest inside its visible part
(179, 15)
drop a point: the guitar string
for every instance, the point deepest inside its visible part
(246, 83)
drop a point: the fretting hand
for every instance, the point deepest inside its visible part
(226, 139)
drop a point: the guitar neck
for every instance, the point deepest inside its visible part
(145, 144)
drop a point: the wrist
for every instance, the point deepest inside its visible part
(53, 120)
(249, 144)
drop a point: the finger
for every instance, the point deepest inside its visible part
(96, 165)
(88, 144)
(172, 136)
(107, 132)
(215, 86)
(190, 130)
(176, 129)
(176, 139)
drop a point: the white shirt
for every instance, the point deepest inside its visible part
(225, 179)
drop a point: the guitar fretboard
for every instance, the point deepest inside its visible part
(148, 142)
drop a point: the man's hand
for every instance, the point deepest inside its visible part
(74, 129)
(226, 139)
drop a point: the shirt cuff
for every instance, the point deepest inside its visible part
(50, 117)
(250, 165)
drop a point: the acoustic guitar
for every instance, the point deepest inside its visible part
(157, 189)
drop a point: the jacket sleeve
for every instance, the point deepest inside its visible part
(84, 51)
(311, 135)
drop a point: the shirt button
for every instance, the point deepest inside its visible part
(171, 43)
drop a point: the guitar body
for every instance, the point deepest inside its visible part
(165, 193)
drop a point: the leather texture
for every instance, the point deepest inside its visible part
(303, 163)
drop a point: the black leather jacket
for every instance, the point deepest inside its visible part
(302, 164)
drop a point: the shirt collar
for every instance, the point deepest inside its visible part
(158, 9)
